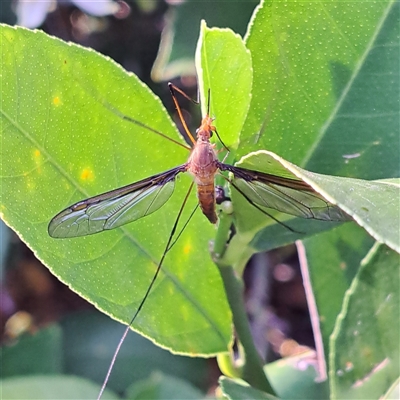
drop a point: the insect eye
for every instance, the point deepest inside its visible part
(211, 133)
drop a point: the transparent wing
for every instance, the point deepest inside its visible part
(115, 208)
(287, 195)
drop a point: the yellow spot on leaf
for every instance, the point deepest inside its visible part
(37, 157)
(87, 174)
(56, 101)
(187, 248)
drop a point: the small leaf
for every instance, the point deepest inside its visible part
(236, 389)
(295, 377)
(226, 78)
(364, 355)
(292, 378)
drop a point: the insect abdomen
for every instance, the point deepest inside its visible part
(206, 195)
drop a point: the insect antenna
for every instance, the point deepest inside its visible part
(223, 144)
(166, 250)
(214, 129)
(149, 128)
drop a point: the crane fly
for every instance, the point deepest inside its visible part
(126, 204)
(129, 203)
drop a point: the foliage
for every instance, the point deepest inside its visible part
(315, 83)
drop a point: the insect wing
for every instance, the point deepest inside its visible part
(286, 195)
(115, 208)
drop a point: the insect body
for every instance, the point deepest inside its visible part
(203, 165)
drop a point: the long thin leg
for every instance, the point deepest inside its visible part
(167, 248)
(173, 89)
(183, 228)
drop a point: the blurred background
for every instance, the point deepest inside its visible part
(48, 329)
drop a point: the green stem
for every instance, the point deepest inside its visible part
(252, 370)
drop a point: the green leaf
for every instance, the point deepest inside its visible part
(326, 86)
(292, 378)
(163, 387)
(360, 138)
(333, 259)
(296, 377)
(362, 200)
(394, 391)
(40, 353)
(224, 67)
(364, 357)
(51, 387)
(64, 139)
(236, 389)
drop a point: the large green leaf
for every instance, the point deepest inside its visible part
(361, 137)
(316, 100)
(63, 139)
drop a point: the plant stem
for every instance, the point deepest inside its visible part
(252, 370)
